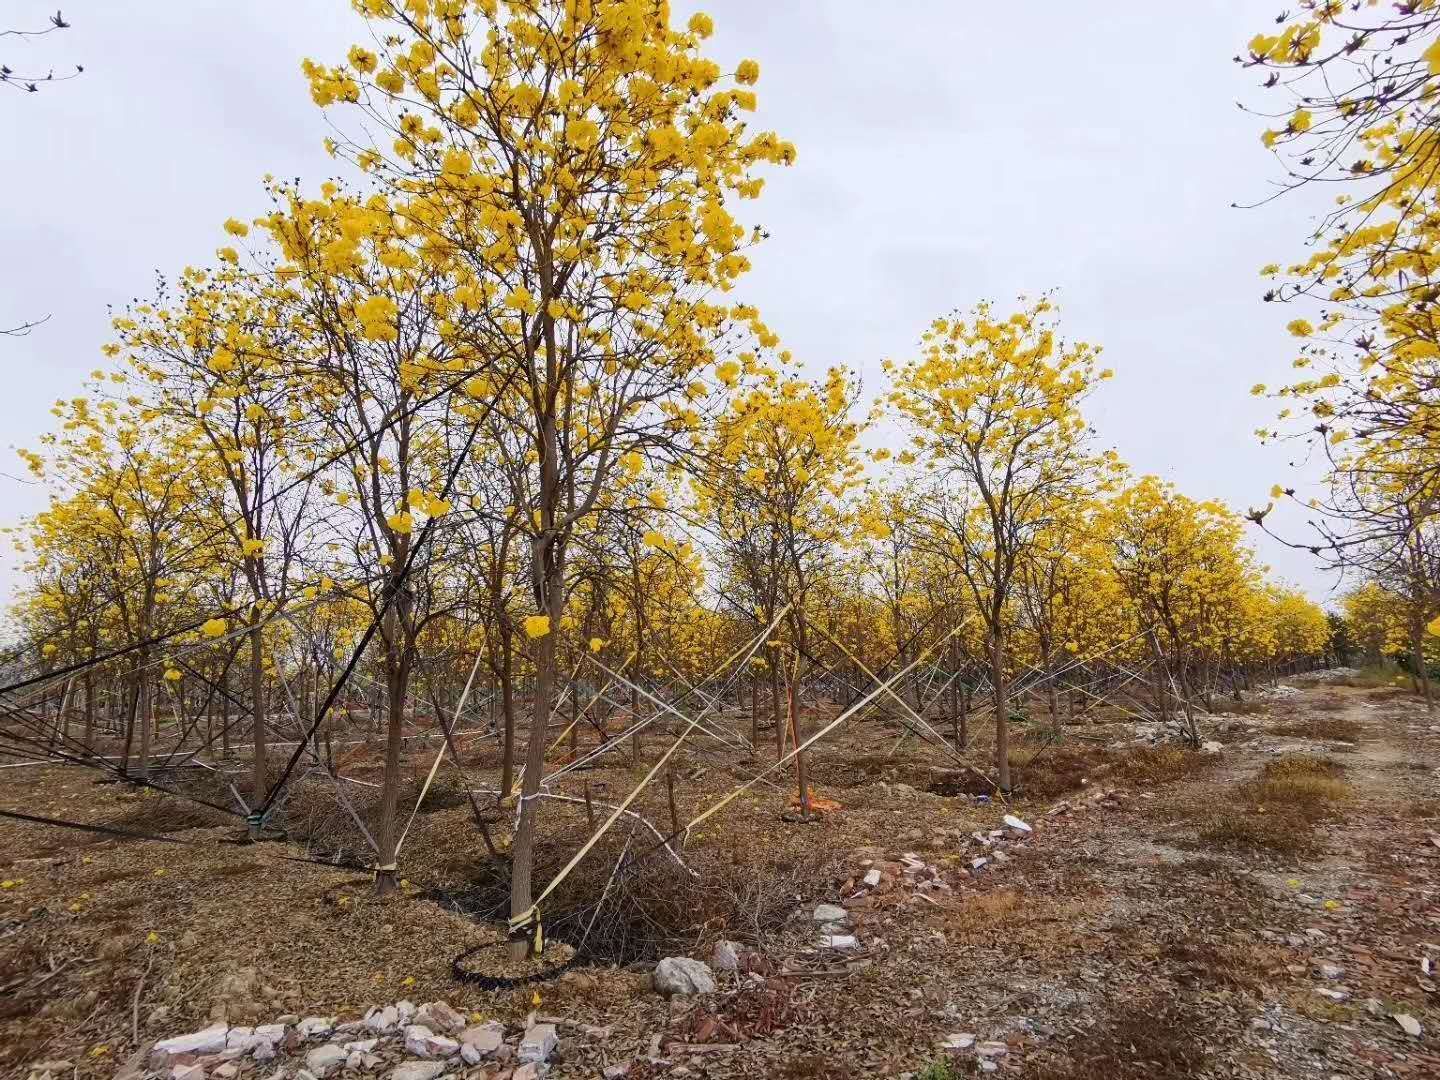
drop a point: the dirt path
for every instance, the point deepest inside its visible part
(1217, 962)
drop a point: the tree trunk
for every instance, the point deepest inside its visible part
(754, 711)
(258, 777)
(1002, 710)
(1417, 645)
(802, 773)
(142, 720)
(507, 710)
(89, 710)
(397, 678)
(775, 705)
(522, 862)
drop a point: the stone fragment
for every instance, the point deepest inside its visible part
(726, 956)
(871, 878)
(315, 1027)
(210, 1040)
(481, 1041)
(1013, 822)
(538, 1043)
(424, 1043)
(683, 975)
(992, 1049)
(839, 941)
(1330, 972)
(323, 1060)
(830, 913)
(439, 1016)
(960, 1040)
(418, 1070)
(382, 1020)
(1408, 1024)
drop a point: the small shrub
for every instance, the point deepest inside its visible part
(1310, 796)
(1335, 728)
(1288, 765)
(1156, 764)
(1140, 1041)
(1245, 829)
(985, 910)
(1053, 769)
(939, 1069)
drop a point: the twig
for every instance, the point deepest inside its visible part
(135, 1003)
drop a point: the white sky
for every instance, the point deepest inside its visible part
(948, 152)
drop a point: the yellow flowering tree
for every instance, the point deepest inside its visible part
(994, 403)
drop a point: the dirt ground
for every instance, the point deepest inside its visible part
(1174, 914)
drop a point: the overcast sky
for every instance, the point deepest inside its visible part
(948, 152)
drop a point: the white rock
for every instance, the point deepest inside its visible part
(1015, 823)
(481, 1041)
(424, 1043)
(992, 1049)
(683, 975)
(872, 877)
(210, 1040)
(726, 956)
(252, 1039)
(406, 1009)
(361, 1046)
(441, 1017)
(1333, 995)
(538, 1043)
(418, 1070)
(830, 913)
(315, 1027)
(1330, 972)
(265, 1051)
(533, 1070)
(839, 941)
(323, 1060)
(960, 1040)
(1210, 746)
(383, 1020)
(1408, 1024)
(978, 863)
(985, 1065)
